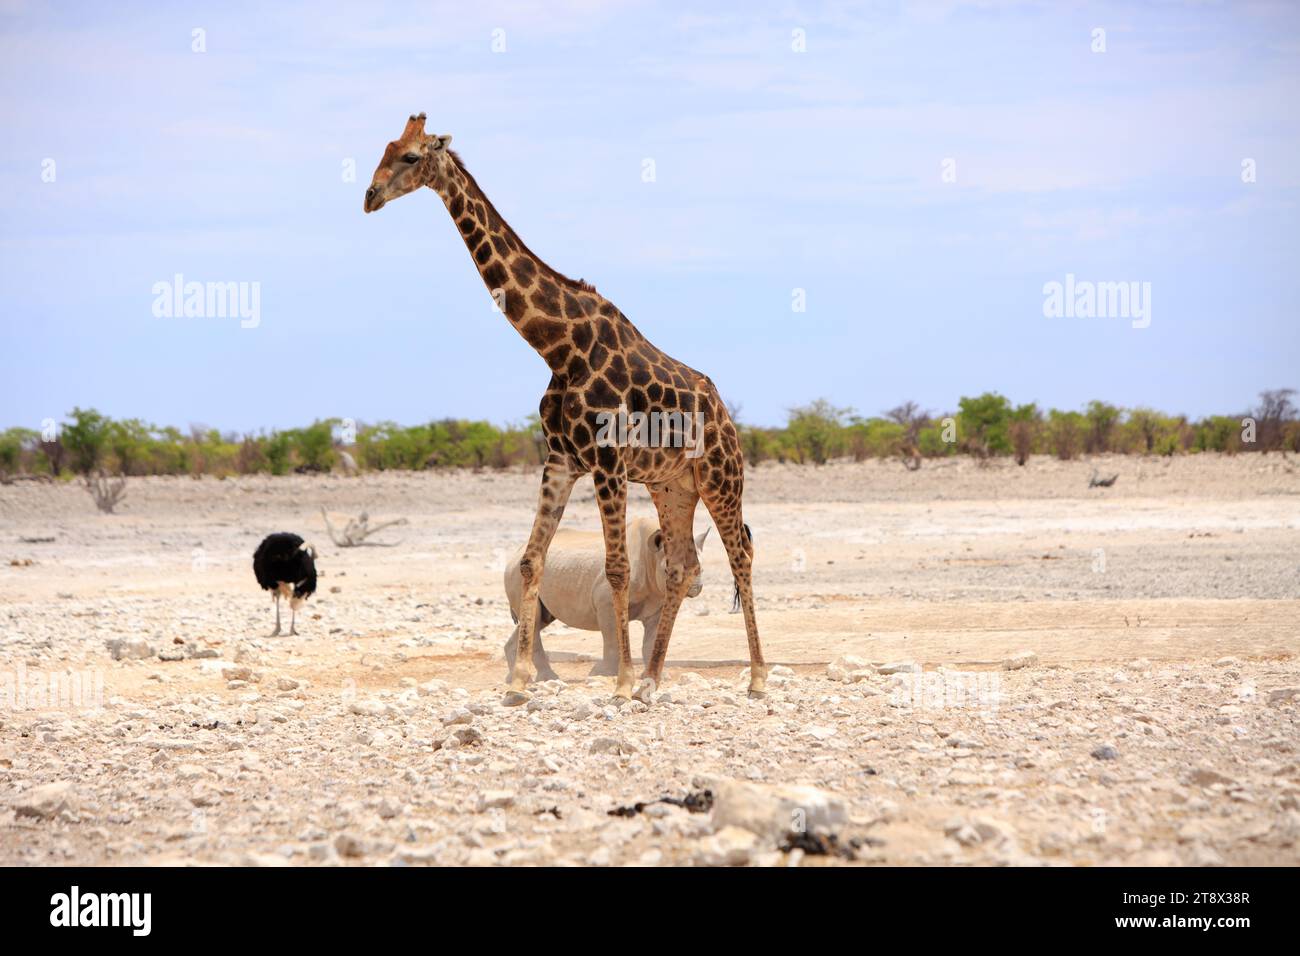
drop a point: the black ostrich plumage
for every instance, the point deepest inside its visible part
(282, 559)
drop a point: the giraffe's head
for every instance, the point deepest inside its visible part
(412, 160)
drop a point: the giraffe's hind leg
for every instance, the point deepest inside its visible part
(722, 498)
(557, 483)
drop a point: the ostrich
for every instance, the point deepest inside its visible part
(286, 565)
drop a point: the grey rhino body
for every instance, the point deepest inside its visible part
(574, 591)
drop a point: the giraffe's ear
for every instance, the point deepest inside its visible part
(441, 142)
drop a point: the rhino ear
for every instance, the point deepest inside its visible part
(657, 542)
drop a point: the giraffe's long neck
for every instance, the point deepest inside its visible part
(551, 312)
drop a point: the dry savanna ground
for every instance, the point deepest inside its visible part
(978, 665)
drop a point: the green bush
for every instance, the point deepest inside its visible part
(16, 447)
(314, 445)
(1065, 433)
(1025, 424)
(815, 431)
(278, 449)
(1102, 422)
(85, 439)
(983, 424)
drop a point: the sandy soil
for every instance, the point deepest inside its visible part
(1154, 723)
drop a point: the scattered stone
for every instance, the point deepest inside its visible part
(847, 668)
(730, 846)
(1105, 752)
(611, 745)
(45, 802)
(773, 812)
(494, 799)
(899, 667)
(1207, 777)
(129, 648)
(977, 831)
(1019, 660)
(348, 845)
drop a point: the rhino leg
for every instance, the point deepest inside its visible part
(542, 661)
(512, 648)
(607, 666)
(648, 641)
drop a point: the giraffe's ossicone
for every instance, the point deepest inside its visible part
(617, 408)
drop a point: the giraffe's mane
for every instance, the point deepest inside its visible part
(579, 284)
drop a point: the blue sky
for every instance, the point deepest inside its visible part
(775, 170)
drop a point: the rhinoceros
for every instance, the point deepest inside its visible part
(574, 591)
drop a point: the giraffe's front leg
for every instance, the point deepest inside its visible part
(557, 483)
(611, 493)
(676, 506)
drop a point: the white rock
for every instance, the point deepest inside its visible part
(899, 667)
(458, 716)
(818, 732)
(1018, 660)
(730, 846)
(611, 745)
(848, 668)
(368, 708)
(129, 648)
(772, 812)
(46, 801)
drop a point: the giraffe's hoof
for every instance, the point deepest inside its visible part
(645, 690)
(757, 693)
(513, 698)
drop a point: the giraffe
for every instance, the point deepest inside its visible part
(601, 367)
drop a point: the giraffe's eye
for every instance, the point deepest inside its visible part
(411, 158)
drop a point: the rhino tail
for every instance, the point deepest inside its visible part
(546, 616)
